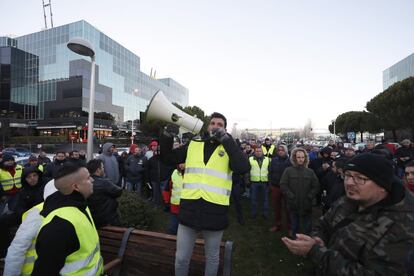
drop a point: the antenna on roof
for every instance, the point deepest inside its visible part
(50, 11)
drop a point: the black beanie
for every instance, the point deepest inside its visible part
(374, 166)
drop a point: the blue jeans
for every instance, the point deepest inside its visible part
(134, 186)
(255, 189)
(173, 227)
(296, 221)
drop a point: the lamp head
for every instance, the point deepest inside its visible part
(81, 47)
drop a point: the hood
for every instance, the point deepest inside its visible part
(106, 147)
(132, 148)
(293, 160)
(400, 199)
(285, 148)
(26, 172)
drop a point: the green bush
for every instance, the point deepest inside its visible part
(135, 212)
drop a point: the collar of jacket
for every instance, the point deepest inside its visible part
(59, 200)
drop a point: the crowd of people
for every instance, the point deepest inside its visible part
(366, 227)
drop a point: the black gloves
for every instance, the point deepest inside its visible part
(170, 130)
(220, 134)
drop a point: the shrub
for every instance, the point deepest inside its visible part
(135, 212)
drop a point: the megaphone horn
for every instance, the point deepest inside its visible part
(160, 108)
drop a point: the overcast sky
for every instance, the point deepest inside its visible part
(261, 63)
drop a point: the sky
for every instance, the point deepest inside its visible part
(263, 64)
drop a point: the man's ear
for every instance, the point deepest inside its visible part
(75, 187)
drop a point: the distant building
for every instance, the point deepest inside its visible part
(398, 72)
(48, 86)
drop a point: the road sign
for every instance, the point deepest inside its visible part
(351, 135)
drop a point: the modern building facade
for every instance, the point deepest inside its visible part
(57, 91)
(398, 72)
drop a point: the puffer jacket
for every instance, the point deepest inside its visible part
(110, 163)
(300, 185)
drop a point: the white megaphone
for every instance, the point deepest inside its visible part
(160, 108)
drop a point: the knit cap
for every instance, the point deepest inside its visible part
(374, 166)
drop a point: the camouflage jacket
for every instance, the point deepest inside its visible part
(374, 241)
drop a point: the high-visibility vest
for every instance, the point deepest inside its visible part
(259, 174)
(31, 255)
(8, 181)
(177, 180)
(212, 181)
(87, 260)
(270, 152)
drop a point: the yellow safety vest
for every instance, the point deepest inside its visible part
(270, 152)
(212, 181)
(31, 255)
(8, 181)
(177, 180)
(87, 260)
(259, 174)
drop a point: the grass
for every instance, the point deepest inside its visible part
(256, 251)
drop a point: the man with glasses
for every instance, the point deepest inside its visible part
(369, 231)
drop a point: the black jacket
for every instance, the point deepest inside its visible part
(79, 162)
(158, 171)
(30, 196)
(51, 169)
(57, 239)
(135, 167)
(200, 214)
(102, 202)
(277, 167)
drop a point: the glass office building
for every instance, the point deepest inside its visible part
(398, 72)
(62, 93)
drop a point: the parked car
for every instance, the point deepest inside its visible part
(22, 161)
(19, 152)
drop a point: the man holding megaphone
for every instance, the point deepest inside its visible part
(209, 164)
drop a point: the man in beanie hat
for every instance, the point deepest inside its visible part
(368, 232)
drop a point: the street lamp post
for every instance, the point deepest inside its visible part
(334, 121)
(83, 47)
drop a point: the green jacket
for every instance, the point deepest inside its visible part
(374, 241)
(300, 185)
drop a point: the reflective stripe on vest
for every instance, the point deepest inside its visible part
(259, 174)
(8, 181)
(212, 181)
(177, 180)
(270, 152)
(31, 252)
(87, 259)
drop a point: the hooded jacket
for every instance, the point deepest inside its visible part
(51, 168)
(110, 163)
(373, 241)
(300, 185)
(278, 166)
(30, 196)
(16, 253)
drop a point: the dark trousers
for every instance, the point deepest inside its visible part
(235, 195)
(173, 227)
(301, 220)
(277, 201)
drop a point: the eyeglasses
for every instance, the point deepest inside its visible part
(356, 178)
